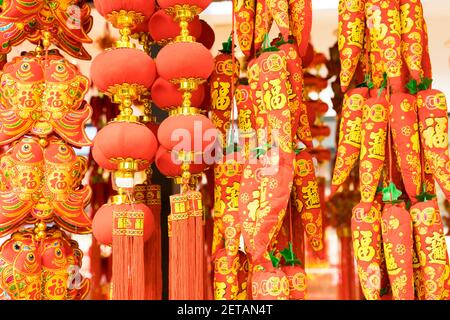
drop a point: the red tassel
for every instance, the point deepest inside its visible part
(152, 249)
(196, 243)
(128, 257)
(179, 244)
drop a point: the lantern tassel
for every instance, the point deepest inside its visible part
(128, 257)
(152, 248)
(197, 252)
(179, 268)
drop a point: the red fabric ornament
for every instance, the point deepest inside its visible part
(102, 224)
(221, 90)
(297, 282)
(168, 164)
(226, 217)
(349, 143)
(405, 134)
(411, 16)
(367, 246)
(163, 28)
(184, 60)
(300, 17)
(244, 15)
(122, 66)
(379, 17)
(398, 246)
(270, 284)
(278, 9)
(263, 23)
(431, 250)
(226, 285)
(187, 132)
(202, 4)
(167, 96)
(300, 125)
(124, 140)
(433, 126)
(145, 7)
(307, 201)
(207, 36)
(373, 141)
(351, 29)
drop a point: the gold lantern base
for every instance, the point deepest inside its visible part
(187, 86)
(125, 94)
(125, 21)
(184, 14)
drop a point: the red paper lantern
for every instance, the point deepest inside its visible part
(145, 7)
(168, 164)
(167, 96)
(207, 37)
(187, 132)
(183, 60)
(120, 66)
(202, 4)
(162, 27)
(102, 224)
(124, 140)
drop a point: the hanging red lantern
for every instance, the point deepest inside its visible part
(184, 60)
(167, 96)
(124, 143)
(164, 29)
(191, 133)
(168, 164)
(143, 7)
(112, 68)
(102, 224)
(207, 36)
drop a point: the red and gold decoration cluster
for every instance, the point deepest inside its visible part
(265, 187)
(126, 146)
(397, 127)
(42, 116)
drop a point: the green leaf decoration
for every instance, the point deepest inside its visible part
(274, 259)
(424, 196)
(266, 47)
(283, 41)
(289, 256)
(383, 291)
(367, 83)
(227, 46)
(391, 193)
(261, 150)
(243, 81)
(379, 189)
(425, 84)
(412, 86)
(383, 84)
